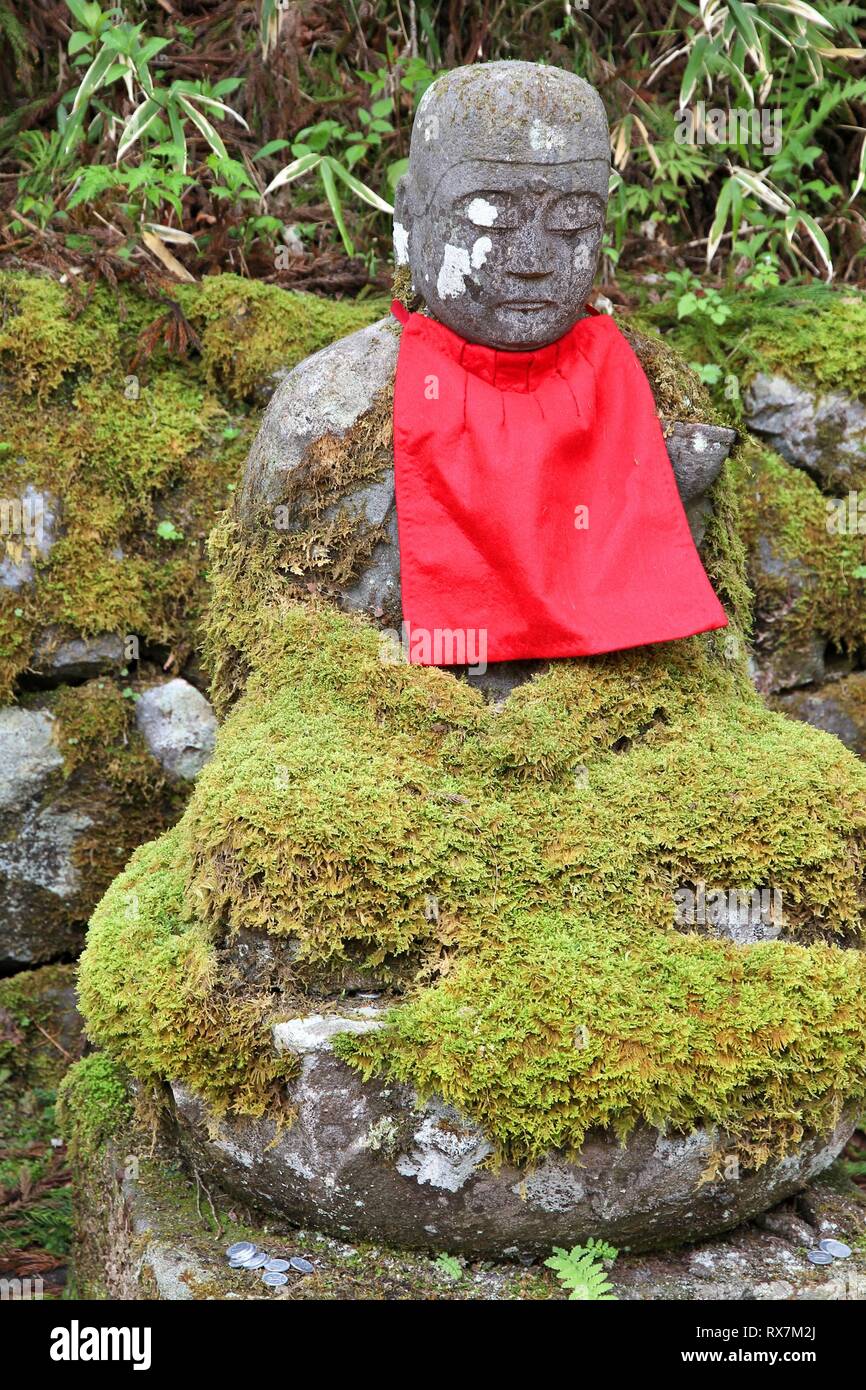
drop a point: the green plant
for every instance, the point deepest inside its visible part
(450, 1266)
(695, 298)
(582, 1270)
(311, 155)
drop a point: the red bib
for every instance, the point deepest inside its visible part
(537, 508)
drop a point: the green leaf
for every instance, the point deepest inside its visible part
(580, 1270)
(333, 197)
(167, 531)
(92, 78)
(360, 189)
(140, 121)
(204, 126)
(298, 167)
(77, 41)
(271, 148)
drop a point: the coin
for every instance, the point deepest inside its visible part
(819, 1257)
(274, 1279)
(276, 1266)
(238, 1263)
(241, 1249)
(301, 1265)
(256, 1260)
(837, 1248)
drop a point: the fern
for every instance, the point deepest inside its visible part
(581, 1270)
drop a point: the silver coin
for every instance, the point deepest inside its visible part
(274, 1279)
(301, 1265)
(837, 1248)
(819, 1257)
(276, 1266)
(256, 1261)
(238, 1264)
(242, 1249)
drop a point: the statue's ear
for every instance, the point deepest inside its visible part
(402, 221)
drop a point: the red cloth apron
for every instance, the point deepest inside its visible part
(536, 503)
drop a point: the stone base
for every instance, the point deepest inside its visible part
(145, 1230)
(366, 1161)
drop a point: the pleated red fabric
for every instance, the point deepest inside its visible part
(536, 503)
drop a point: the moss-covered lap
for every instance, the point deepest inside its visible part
(139, 451)
(507, 871)
(553, 992)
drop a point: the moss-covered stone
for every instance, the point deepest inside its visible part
(93, 1102)
(806, 574)
(812, 334)
(141, 452)
(348, 793)
(509, 870)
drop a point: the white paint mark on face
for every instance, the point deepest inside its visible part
(401, 244)
(482, 213)
(480, 250)
(543, 137)
(700, 443)
(451, 280)
(583, 258)
(431, 129)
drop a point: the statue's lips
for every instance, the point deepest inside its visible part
(525, 304)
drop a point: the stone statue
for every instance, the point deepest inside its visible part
(499, 220)
(608, 903)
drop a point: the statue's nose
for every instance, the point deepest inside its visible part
(526, 256)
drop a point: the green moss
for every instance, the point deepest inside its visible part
(122, 446)
(346, 792)
(813, 334)
(93, 1102)
(155, 997)
(248, 329)
(803, 575)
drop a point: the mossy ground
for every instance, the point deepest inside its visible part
(125, 445)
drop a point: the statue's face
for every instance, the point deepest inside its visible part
(506, 252)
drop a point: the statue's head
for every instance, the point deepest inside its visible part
(501, 211)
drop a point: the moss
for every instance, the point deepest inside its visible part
(123, 447)
(155, 997)
(803, 575)
(249, 330)
(346, 792)
(93, 1102)
(813, 334)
